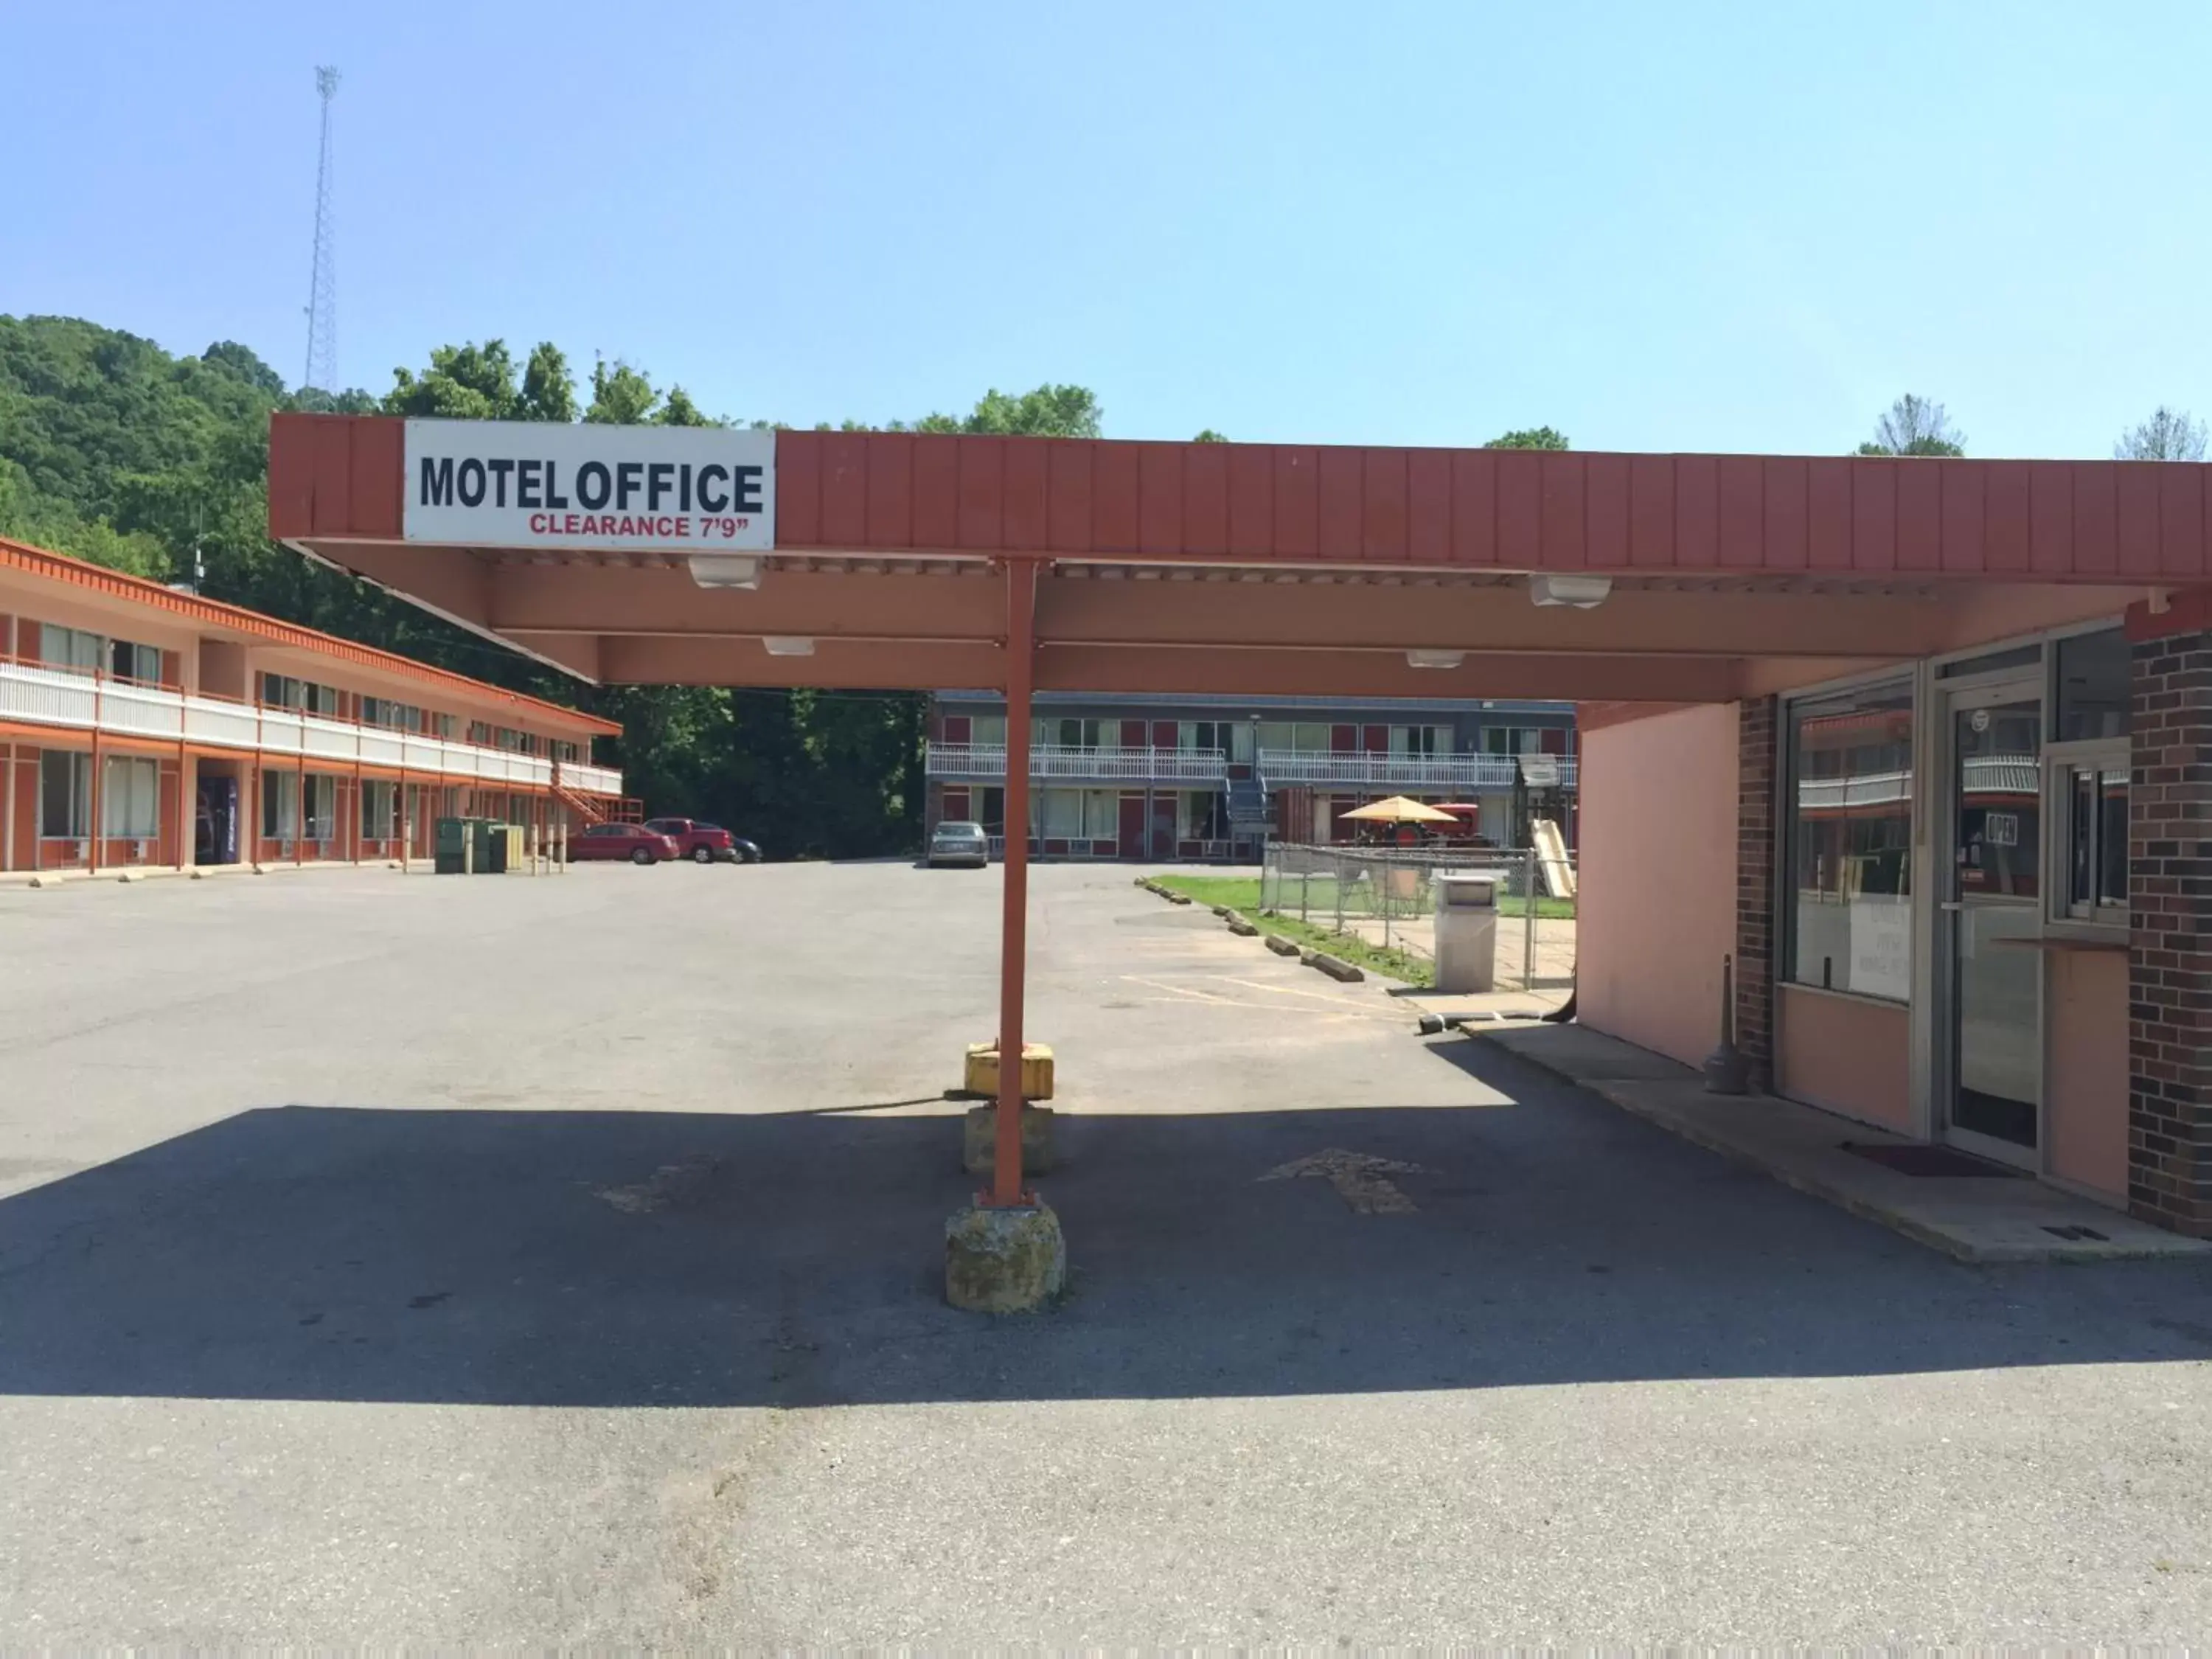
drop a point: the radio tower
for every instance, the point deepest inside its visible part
(322, 286)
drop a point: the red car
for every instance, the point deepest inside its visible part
(632, 841)
(703, 842)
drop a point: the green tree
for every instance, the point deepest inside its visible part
(621, 395)
(1529, 437)
(1210, 436)
(1914, 425)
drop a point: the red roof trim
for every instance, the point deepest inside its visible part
(214, 613)
(339, 477)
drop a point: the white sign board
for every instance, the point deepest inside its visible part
(1881, 946)
(530, 483)
(1540, 771)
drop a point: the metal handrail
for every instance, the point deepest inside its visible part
(1103, 764)
(1368, 769)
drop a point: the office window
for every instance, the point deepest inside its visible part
(64, 794)
(2088, 772)
(1848, 885)
(130, 799)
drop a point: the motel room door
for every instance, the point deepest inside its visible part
(1132, 827)
(1989, 1013)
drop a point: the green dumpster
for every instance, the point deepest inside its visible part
(491, 848)
(454, 836)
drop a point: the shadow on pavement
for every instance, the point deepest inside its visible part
(613, 1259)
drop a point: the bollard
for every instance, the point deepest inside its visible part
(1727, 1071)
(564, 845)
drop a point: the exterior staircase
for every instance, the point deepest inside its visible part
(1251, 816)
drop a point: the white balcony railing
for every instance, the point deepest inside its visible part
(32, 694)
(1057, 761)
(1427, 773)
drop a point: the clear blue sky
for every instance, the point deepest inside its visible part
(1655, 226)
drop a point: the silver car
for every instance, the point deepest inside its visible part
(958, 841)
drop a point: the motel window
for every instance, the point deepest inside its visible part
(379, 809)
(282, 692)
(1061, 813)
(70, 648)
(130, 799)
(1230, 738)
(394, 716)
(2087, 773)
(127, 661)
(1070, 733)
(1299, 737)
(280, 805)
(990, 809)
(64, 794)
(1420, 740)
(445, 726)
(1201, 815)
(1848, 843)
(1512, 740)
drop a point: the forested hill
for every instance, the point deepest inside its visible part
(115, 451)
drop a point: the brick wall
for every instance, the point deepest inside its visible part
(2170, 954)
(1754, 888)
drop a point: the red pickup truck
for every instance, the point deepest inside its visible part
(705, 843)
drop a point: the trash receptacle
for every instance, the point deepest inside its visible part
(1467, 930)
(453, 854)
(491, 848)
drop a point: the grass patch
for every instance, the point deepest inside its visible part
(1242, 895)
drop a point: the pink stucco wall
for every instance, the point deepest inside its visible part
(1847, 1054)
(1656, 870)
(2085, 1084)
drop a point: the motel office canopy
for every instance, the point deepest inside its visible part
(707, 556)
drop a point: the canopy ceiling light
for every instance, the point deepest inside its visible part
(1582, 592)
(787, 645)
(726, 570)
(1435, 659)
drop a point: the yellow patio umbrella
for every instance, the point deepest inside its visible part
(1398, 808)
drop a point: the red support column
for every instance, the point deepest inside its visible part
(92, 841)
(1006, 1189)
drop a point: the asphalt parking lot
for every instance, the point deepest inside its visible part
(402, 1259)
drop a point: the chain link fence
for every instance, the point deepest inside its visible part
(1386, 895)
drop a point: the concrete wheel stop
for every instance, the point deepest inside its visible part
(998, 1261)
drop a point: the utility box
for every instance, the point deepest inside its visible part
(982, 1071)
(454, 836)
(1467, 930)
(491, 848)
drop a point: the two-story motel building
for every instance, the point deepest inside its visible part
(1159, 776)
(143, 727)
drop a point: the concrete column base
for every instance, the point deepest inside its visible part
(980, 1139)
(1010, 1260)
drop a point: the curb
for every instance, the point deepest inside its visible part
(1813, 1187)
(1281, 946)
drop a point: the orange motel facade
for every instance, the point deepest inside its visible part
(1920, 748)
(144, 728)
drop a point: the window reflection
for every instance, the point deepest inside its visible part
(1850, 842)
